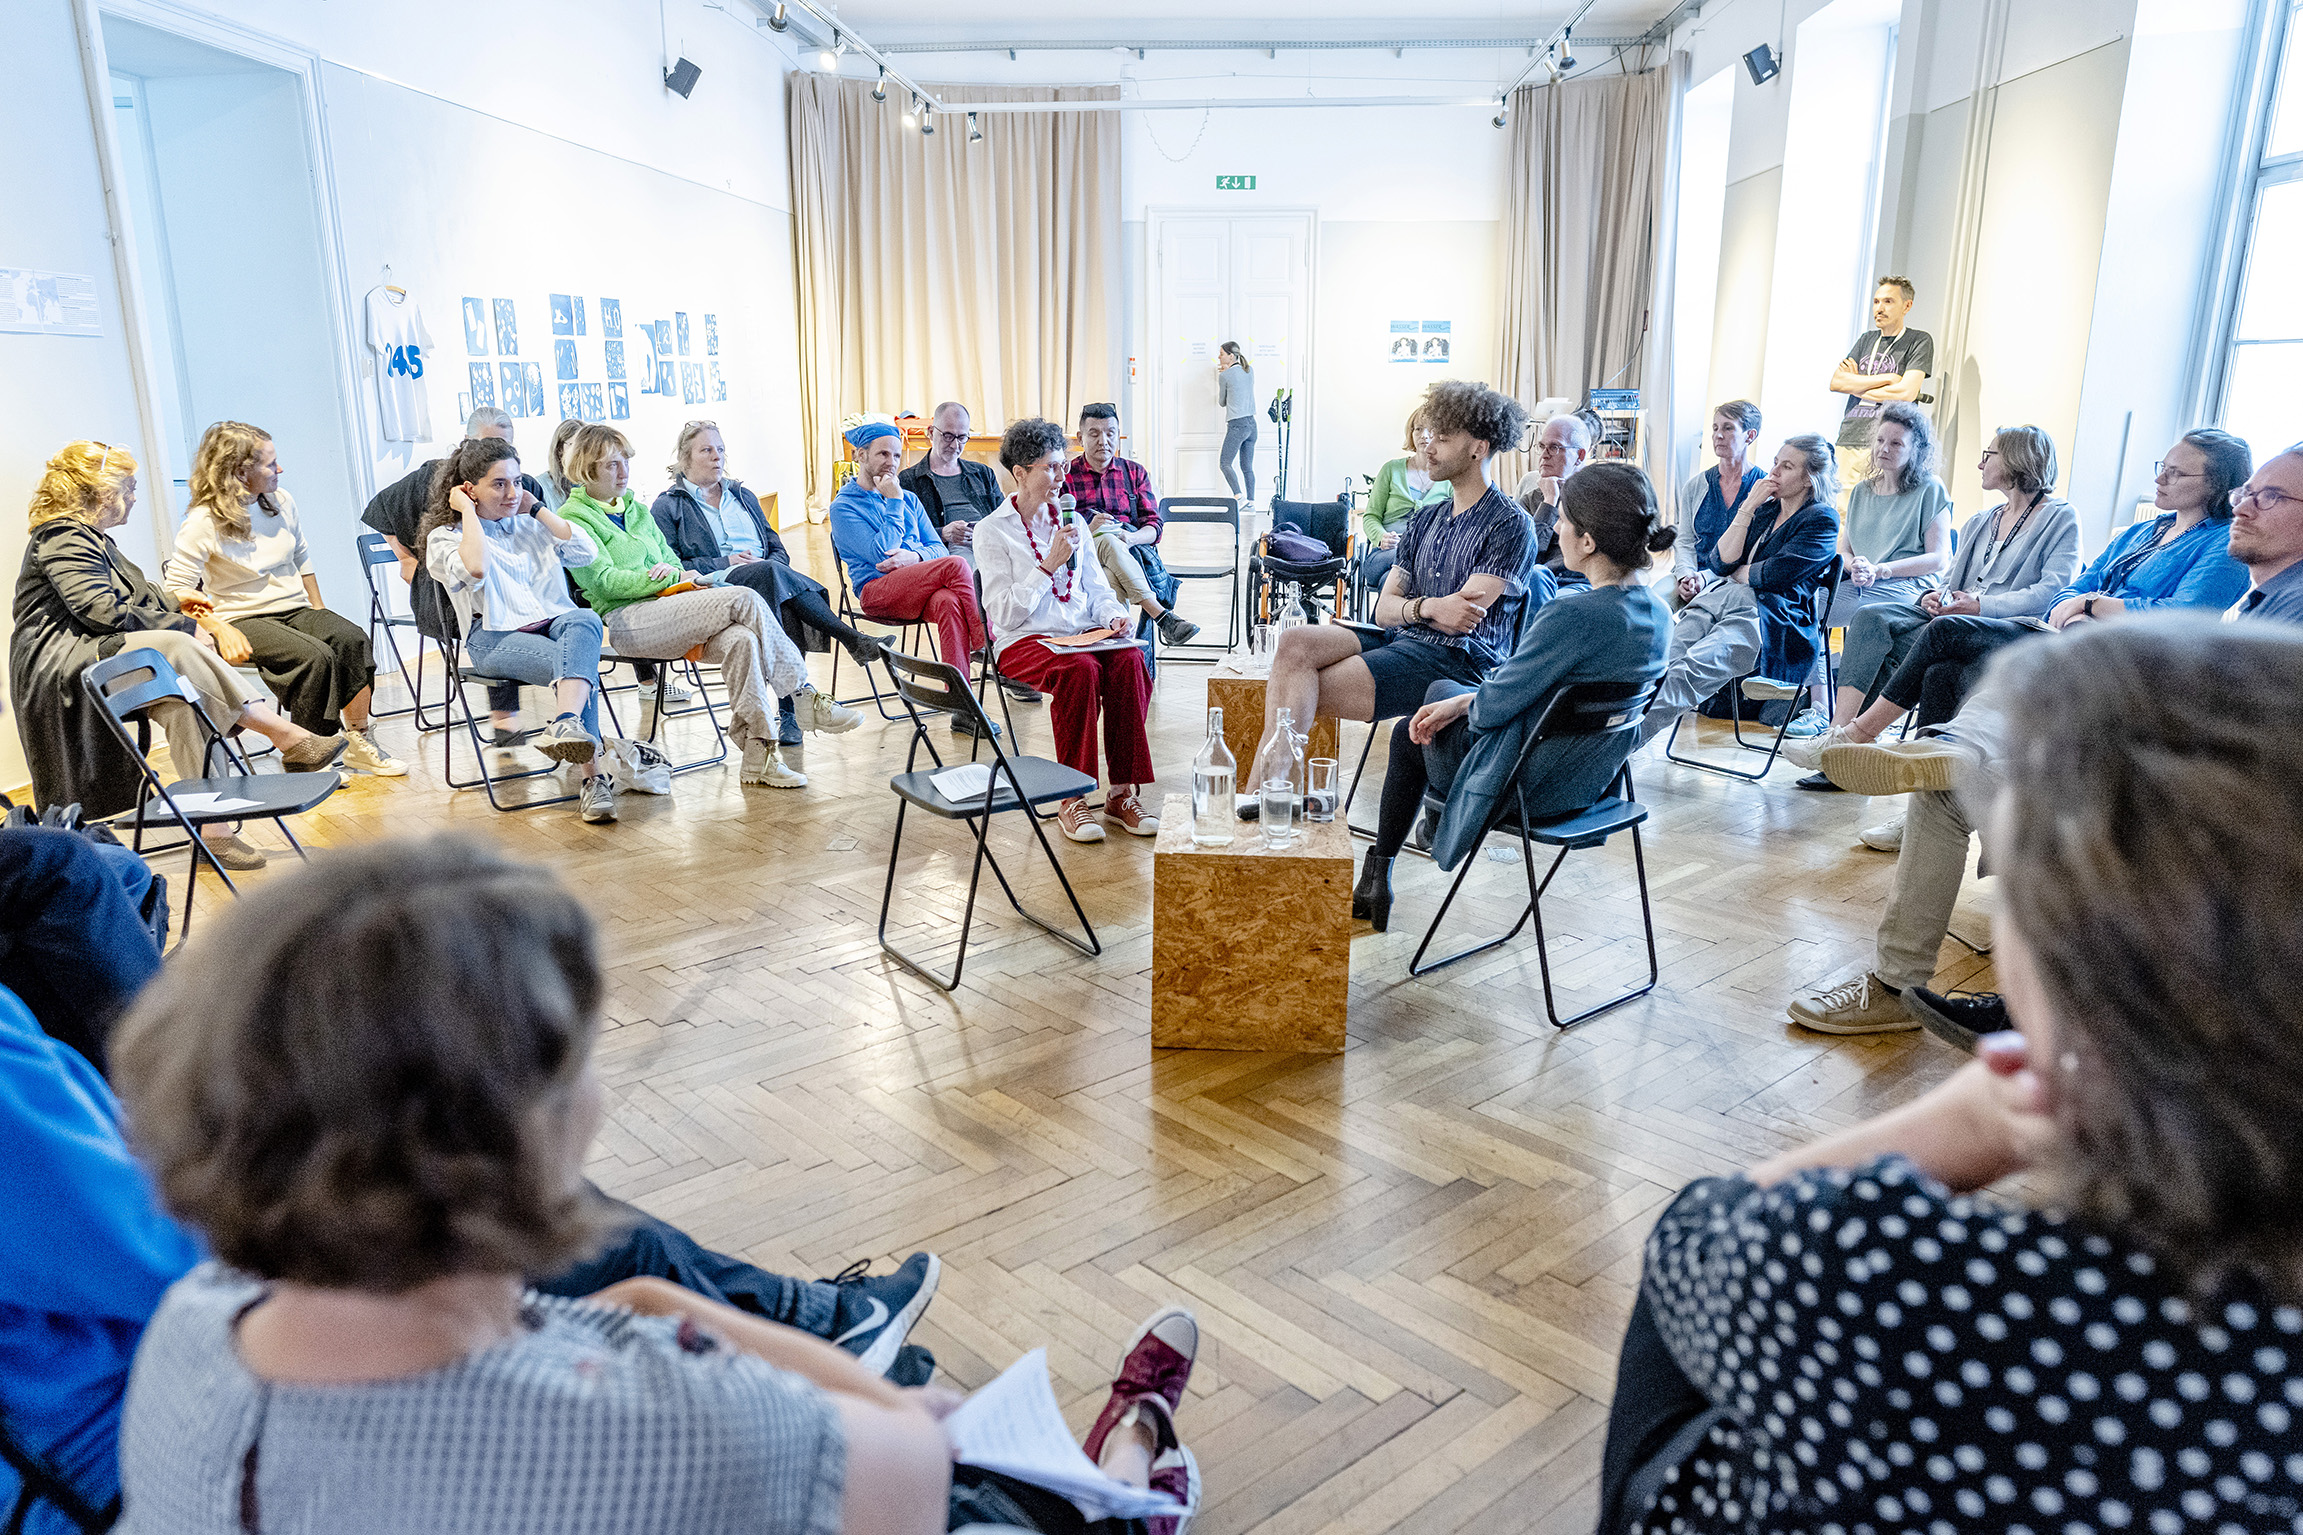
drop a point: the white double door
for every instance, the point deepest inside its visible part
(1244, 278)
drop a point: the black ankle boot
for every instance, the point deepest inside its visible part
(1371, 898)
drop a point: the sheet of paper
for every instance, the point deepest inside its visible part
(210, 801)
(1014, 1427)
(1096, 645)
(1093, 639)
(967, 781)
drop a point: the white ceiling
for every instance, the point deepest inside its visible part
(1023, 21)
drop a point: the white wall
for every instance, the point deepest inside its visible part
(1409, 203)
(53, 389)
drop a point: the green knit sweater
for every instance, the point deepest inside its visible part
(619, 577)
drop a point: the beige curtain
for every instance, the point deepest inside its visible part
(1589, 241)
(931, 268)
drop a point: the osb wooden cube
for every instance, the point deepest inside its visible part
(1241, 699)
(1251, 945)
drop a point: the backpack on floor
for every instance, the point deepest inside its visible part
(637, 765)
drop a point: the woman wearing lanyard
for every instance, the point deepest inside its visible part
(2179, 559)
(2012, 561)
(1037, 588)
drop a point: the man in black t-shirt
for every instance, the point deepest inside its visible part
(1888, 362)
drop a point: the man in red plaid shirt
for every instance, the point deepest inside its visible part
(1115, 495)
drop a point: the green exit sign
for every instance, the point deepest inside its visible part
(1235, 183)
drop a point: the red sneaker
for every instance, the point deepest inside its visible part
(1157, 1366)
(1128, 813)
(1175, 1473)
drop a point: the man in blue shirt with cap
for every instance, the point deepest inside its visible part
(898, 565)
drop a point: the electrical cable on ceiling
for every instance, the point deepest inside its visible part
(1204, 115)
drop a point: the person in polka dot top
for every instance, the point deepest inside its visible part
(1854, 1337)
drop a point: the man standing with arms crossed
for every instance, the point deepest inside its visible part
(1888, 362)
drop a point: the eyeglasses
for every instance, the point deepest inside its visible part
(2268, 498)
(950, 436)
(2163, 470)
(1990, 452)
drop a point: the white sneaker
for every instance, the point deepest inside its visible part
(1861, 1006)
(363, 755)
(596, 801)
(764, 763)
(1808, 751)
(816, 712)
(1886, 837)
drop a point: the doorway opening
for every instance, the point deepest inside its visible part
(217, 172)
(1216, 279)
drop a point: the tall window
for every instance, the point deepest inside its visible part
(2263, 377)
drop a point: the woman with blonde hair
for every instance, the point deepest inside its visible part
(79, 599)
(630, 585)
(1401, 489)
(242, 570)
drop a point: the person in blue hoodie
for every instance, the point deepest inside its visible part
(1466, 741)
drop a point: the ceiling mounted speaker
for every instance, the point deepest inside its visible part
(1761, 62)
(682, 77)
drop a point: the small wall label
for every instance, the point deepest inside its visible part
(1235, 183)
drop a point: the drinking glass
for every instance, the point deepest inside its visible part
(1277, 813)
(1319, 797)
(1261, 642)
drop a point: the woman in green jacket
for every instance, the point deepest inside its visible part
(1402, 488)
(630, 587)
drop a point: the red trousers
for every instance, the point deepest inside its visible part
(1077, 684)
(941, 591)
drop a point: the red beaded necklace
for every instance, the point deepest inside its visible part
(1062, 585)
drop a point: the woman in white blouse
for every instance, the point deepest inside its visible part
(1038, 587)
(502, 555)
(242, 571)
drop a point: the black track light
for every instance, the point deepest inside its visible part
(782, 17)
(880, 86)
(1566, 49)
(975, 134)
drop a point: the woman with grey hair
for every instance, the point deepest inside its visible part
(2011, 562)
(1854, 1332)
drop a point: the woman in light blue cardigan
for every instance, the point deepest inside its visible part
(2179, 559)
(1466, 742)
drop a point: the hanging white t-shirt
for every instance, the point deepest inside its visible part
(403, 349)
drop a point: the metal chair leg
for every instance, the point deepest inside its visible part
(1093, 946)
(1647, 917)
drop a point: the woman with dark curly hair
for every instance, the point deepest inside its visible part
(1039, 589)
(503, 557)
(1853, 1335)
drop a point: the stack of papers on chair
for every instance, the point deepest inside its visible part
(188, 803)
(1014, 1427)
(967, 781)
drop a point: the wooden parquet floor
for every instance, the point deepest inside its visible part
(1412, 1263)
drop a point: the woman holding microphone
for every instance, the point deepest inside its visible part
(1040, 592)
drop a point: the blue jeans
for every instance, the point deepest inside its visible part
(72, 944)
(653, 1249)
(1239, 446)
(569, 648)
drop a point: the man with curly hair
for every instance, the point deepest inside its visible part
(1451, 605)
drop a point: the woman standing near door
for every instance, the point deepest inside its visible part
(1235, 390)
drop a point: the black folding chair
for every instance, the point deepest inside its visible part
(655, 711)
(1819, 601)
(928, 689)
(907, 638)
(1214, 511)
(384, 625)
(1580, 709)
(459, 704)
(124, 688)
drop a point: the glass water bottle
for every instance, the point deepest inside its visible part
(1212, 800)
(1279, 779)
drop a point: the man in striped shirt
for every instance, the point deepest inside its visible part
(1451, 606)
